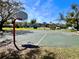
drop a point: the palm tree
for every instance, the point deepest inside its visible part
(72, 17)
(76, 14)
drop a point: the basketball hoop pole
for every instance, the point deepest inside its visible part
(14, 35)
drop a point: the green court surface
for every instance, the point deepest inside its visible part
(48, 38)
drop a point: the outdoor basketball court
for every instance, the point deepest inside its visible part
(48, 38)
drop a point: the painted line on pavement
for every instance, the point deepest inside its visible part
(41, 39)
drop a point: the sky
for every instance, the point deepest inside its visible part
(47, 10)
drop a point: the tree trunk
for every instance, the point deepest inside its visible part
(1, 26)
(77, 25)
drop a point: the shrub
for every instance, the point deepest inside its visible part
(49, 55)
(32, 54)
(10, 54)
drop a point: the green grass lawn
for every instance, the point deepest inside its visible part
(67, 30)
(6, 28)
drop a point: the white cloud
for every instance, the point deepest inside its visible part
(42, 10)
(37, 3)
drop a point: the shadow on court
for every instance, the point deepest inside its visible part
(23, 32)
(18, 32)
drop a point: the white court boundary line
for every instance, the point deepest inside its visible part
(41, 39)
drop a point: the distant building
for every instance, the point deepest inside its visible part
(7, 25)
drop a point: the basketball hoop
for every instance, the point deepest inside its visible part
(20, 16)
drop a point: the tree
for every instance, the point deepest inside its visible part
(33, 21)
(72, 17)
(33, 24)
(76, 14)
(7, 9)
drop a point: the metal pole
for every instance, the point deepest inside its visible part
(14, 35)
